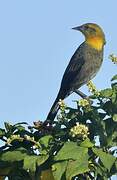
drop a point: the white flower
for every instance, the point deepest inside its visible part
(79, 130)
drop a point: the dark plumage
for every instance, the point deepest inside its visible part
(83, 65)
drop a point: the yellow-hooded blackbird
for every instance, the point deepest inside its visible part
(83, 66)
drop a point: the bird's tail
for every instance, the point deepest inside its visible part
(54, 109)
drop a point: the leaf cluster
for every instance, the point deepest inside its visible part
(51, 152)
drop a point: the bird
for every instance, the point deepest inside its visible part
(83, 66)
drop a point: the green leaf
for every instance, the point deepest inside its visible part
(114, 78)
(20, 128)
(106, 158)
(87, 143)
(109, 107)
(41, 159)
(107, 93)
(77, 167)
(31, 161)
(72, 113)
(100, 170)
(114, 97)
(2, 132)
(59, 169)
(16, 155)
(71, 150)
(8, 126)
(115, 117)
(116, 164)
(45, 140)
(109, 126)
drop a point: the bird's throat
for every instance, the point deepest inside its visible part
(95, 42)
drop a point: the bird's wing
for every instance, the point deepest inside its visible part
(72, 70)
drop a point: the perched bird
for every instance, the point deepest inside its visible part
(83, 66)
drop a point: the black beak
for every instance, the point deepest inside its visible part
(78, 28)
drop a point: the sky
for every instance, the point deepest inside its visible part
(36, 44)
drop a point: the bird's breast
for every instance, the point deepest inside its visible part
(92, 63)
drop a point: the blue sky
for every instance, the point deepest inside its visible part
(36, 44)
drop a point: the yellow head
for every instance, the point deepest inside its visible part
(94, 35)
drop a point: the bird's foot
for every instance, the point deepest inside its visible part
(84, 96)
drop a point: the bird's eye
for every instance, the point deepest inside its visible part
(93, 30)
(86, 27)
(90, 29)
